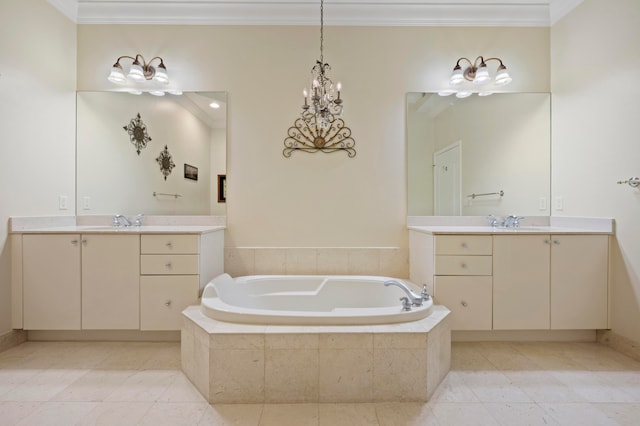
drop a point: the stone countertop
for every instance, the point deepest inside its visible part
(97, 229)
(489, 230)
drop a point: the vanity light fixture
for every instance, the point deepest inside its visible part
(139, 71)
(476, 72)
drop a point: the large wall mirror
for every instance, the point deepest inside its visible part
(122, 165)
(479, 155)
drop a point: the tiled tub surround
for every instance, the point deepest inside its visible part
(239, 363)
(385, 261)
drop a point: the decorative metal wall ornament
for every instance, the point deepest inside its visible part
(137, 133)
(166, 162)
(308, 136)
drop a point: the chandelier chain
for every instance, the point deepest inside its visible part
(321, 30)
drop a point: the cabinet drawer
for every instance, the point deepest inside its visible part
(163, 298)
(169, 243)
(463, 244)
(168, 264)
(468, 298)
(463, 265)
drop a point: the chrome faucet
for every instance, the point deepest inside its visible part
(512, 221)
(493, 221)
(121, 220)
(138, 221)
(414, 298)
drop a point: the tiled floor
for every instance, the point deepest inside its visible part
(55, 383)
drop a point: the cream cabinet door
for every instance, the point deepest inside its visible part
(468, 298)
(579, 271)
(521, 289)
(51, 282)
(163, 298)
(110, 282)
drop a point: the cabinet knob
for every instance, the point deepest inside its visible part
(547, 241)
(84, 242)
(74, 242)
(463, 265)
(464, 304)
(556, 242)
(464, 245)
(168, 265)
(167, 303)
(169, 244)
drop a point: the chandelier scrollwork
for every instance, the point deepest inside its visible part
(306, 135)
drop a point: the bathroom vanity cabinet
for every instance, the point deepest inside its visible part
(80, 281)
(519, 281)
(110, 280)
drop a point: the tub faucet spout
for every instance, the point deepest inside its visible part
(416, 299)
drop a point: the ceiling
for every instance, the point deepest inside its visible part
(536, 13)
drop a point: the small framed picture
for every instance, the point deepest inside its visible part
(190, 172)
(222, 188)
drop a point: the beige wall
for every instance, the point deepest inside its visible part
(309, 200)
(37, 116)
(595, 134)
(314, 200)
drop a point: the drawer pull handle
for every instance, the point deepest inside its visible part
(464, 304)
(167, 303)
(168, 265)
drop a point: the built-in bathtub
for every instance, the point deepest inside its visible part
(282, 339)
(309, 300)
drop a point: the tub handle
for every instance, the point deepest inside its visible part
(406, 304)
(464, 304)
(167, 303)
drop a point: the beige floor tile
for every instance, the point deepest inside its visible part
(231, 415)
(347, 415)
(520, 414)
(12, 412)
(95, 385)
(174, 414)
(11, 378)
(289, 415)
(43, 386)
(453, 389)
(465, 356)
(493, 386)
(624, 414)
(582, 414)
(181, 390)
(542, 386)
(143, 386)
(405, 414)
(505, 356)
(593, 386)
(115, 413)
(58, 414)
(467, 414)
(165, 357)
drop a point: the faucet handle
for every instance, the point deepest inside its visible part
(492, 220)
(425, 293)
(138, 221)
(516, 221)
(406, 303)
(115, 221)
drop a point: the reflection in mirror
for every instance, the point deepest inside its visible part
(112, 177)
(464, 153)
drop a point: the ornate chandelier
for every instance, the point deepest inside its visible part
(325, 96)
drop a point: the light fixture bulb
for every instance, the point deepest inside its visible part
(161, 74)
(463, 94)
(446, 92)
(174, 92)
(457, 76)
(135, 72)
(117, 75)
(485, 93)
(156, 92)
(134, 92)
(502, 76)
(482, 75)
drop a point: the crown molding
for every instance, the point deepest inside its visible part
(512, 13)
